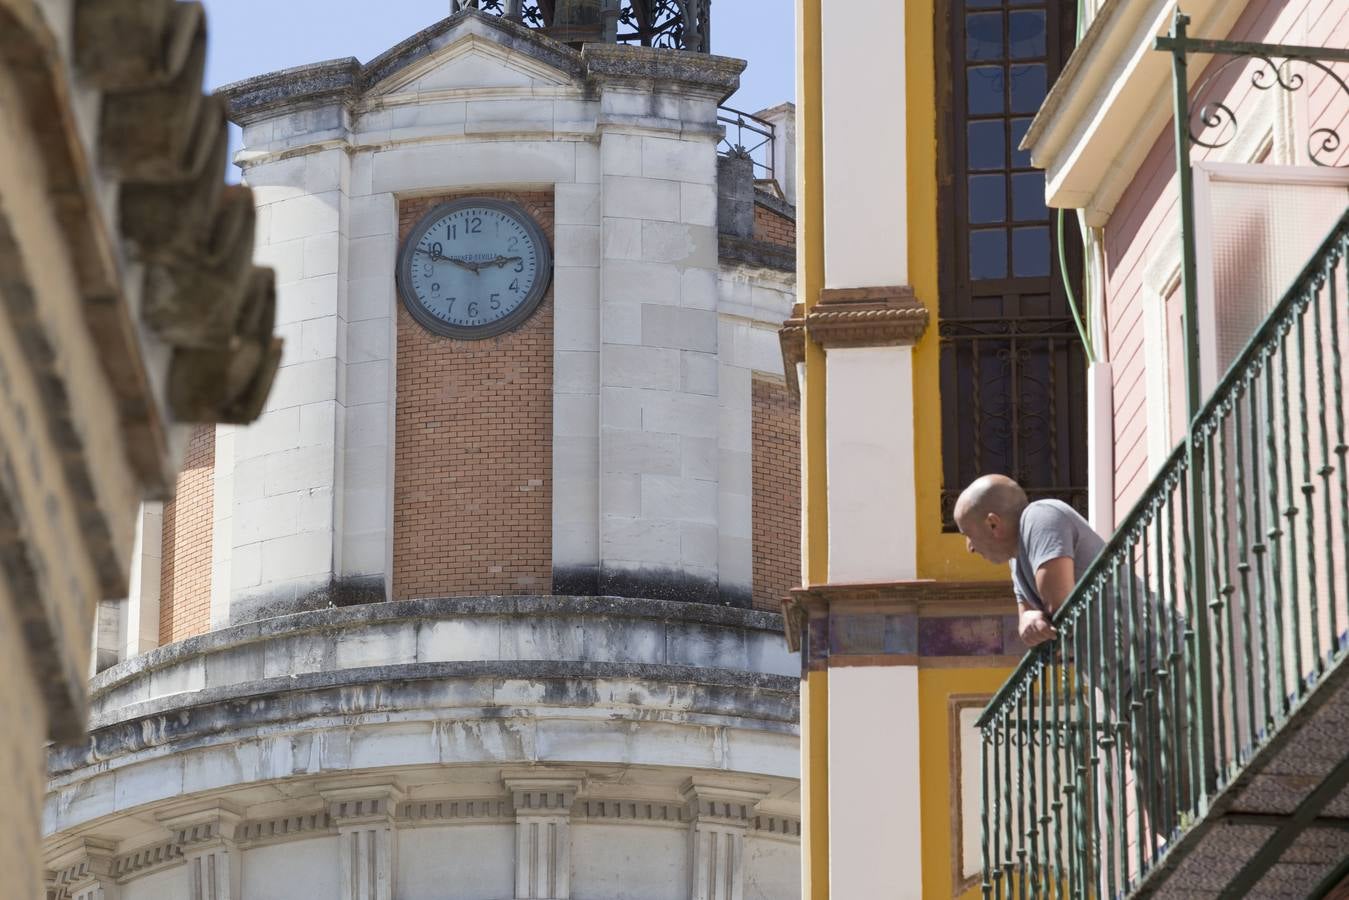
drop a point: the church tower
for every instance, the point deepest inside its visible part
(485, 604)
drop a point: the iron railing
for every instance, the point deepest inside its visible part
(1108, 742)
(748, 135)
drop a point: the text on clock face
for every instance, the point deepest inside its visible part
(473, 266)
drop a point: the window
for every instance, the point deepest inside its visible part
(1012, 368)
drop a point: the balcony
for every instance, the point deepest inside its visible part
(672, 24)
(1186, 735)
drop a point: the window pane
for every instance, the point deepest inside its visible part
(985, 148)
(983, 36)
(1020, 158)
(1028, 88)
(988, 254)
(985, 90)
(1026, 33)
(1028, 197)
(988, 199)
(1030, 252)
(984, 4)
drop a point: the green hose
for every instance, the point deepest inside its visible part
(1079, 320)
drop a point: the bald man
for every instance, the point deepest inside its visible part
(1048, 545)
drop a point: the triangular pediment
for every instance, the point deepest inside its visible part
(472, 51)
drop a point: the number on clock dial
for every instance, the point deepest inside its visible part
(474, 266)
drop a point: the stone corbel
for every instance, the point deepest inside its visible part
(720, 812)
(367, 839)
(867, 317)
(213, 859)
(792, 340)
(83, 869)
(543, 802)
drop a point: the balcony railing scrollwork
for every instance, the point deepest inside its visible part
(672, 24)
(1109, 742)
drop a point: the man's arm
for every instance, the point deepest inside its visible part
(1054, 581)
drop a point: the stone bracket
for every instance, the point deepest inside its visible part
(867, 317)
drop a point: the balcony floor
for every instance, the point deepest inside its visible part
(1281, 829)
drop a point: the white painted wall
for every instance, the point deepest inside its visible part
(875, 833)
(862, 87)
(869, 450)
(456, 862)
(143, 586)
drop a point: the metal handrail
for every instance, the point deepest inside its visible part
(1171, 724)
(758, 146)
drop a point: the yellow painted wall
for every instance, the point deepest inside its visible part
(939, 798)
(815, 521)
(940, 556)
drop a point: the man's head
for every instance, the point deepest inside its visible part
(988, 513)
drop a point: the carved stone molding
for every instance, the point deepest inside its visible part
(867, 317)
(367, 839)
(674, 814)
(213, 861)
(84, 869)
(437, 812)
(921, 622)
(720, 812)
(543, 802)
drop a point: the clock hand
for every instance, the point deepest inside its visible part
(465, 264)
(461, 263)
(502, 260)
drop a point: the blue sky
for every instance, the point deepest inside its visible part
(305, 31)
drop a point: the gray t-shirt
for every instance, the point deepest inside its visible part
(1050, 529)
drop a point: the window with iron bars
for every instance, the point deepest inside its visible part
(1013, 371)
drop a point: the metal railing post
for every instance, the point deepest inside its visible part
(1200, 603)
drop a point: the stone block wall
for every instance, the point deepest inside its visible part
(473, 460)
(185, 561)
(776, 453)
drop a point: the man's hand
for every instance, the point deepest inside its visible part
(1034, 628)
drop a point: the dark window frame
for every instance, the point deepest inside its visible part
(1012, 367)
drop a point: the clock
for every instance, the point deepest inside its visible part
(474, 268)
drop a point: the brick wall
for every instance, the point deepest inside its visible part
(185, 566)
(773, 227)
(775, 493)
(473, 452)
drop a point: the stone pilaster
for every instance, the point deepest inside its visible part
(213, 869)
(720, 812)
(367, 839)
(543, 833)
(84, 870)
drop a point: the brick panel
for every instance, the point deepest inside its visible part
(473, 452)
(773, 227)
(776, 493)
(185, 567)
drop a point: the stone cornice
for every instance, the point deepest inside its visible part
(759, 254)
(1113, 76)
(347, 80)
(718, 76)
(364, 615)
(867, 317)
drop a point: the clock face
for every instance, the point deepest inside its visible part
(474, 268)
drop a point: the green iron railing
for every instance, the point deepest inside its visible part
(1107, 743)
